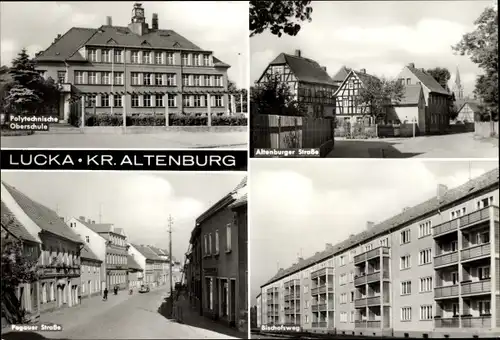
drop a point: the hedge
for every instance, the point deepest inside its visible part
(159, 120)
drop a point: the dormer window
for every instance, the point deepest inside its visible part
(185, 59)
(92, 53)
(206, 60)
(146, 57)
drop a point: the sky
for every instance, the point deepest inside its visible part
(136, 201)
(221, 27)
(296, 207)
(381, 37)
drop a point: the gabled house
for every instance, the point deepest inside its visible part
(153, 264)
(308, 81)
(136, 258)
(438, 100)
(90, 269)
(341, 74)
(410, 109)
(165, 266)
(135, 273)
(469, 112)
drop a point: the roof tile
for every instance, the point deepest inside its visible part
(304, 69)
(12, 224)
(428, 81)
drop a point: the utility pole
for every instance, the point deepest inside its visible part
(100, 213)
(170, 223)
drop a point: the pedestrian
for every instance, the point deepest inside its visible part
(105, 294)
(116, 290)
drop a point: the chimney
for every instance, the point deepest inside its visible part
(298, 53)
(441, 191)
(301, 259)
(93, 222)
(363, 70)
(369, 224)
(89, 221)
(154, 22)
(82, 218)
(323, 68)
(411, 65)
(328, 246)
(281, 270)
(62, 218)
(109, 21)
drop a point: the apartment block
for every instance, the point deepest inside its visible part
(429, 271)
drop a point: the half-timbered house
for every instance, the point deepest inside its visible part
(308, 81)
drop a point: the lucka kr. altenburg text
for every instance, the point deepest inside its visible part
(103, 160)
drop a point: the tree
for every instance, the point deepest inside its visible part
(377, 95)
(442, 76)
(278, 16)
(481, 46)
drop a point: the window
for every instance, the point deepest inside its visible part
(426, 284)
(424, 229)
(352, 297)
(92, 55)
(406, 314)
(343, 316)
(426, 312)
(408, 81)
(454, 246)
(106, 78)
(91, 100)
(61, 76)
(171, 100)
(170, 58)
(92, 78)
(205, 239)
(118, 56)
(147, 100)
(118, 78)
(228, 237)
(458, 213)
(484, 307)
(105, 100)
(483, 237)
(135, 57)
(485, 202)
(206, 60)
(146, 57)
(185, 59)
(384, 242)
(171, 80)
(218, 81)
(186, 100)
(159, 100)
(306, 289)
(198, 100)
(210, 243)
(483, 273)
(135, 78)
(352, 316)
(216, 242)
(405, 236)
(368, 247)
(135, 100)
(342, 279)
(342, 260)
(306, 319)
(405, 262)
(343, 298)
(185, 79)
(197, 80)
(148, 79)
(454, 278)
(158, 58)
(351, 277)
(79, 77)
(106, 56)
(207, 81)
(158, 79)
(196, 60)
(406, 287)
(425, 256)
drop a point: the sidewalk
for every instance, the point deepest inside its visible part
(185, 314)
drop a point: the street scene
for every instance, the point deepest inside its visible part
(120, 271)
(120, 75)
(391, 88)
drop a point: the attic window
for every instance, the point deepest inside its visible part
(57, 53)
(122, 31)
(177, 44)
(164, 34)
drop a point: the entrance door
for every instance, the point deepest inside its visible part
(233, 300)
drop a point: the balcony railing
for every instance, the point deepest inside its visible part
(476, 251)
(479, 287)
(445, 228)
(371, 254)
(476, 322)
(372, 277)
(321, 272)
(477, 217)
(373, 323)
(368, 301)
(59, 271)
(447, 291)
(360, 280)
(315, 308)
(447, 322)
(446, 259)
(322, 307)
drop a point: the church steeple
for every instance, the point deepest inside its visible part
(458, 89)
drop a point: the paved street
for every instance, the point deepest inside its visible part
(122, 317)
(167, 140)
(462, 145)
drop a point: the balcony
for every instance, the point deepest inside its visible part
(372, 277)
(315, 308)
(476, 252)
(446, 292)
(321, 272)
(368, 301)
(322, 307)
(447, 322)
(367, 324)
(478, 217)
(446, 259)
(445, 228)
(322, 289)
(476, 322)
(371, 254)
(118, 266)
(474, 288)
(319, 324)
(64, 87)
(59, 271)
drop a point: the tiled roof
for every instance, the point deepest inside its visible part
(475, 107)
(304, 69)
(47, 219)
(411, 95)
(473, 186)
(428, 80)
(88, 254)
(147, 252)
(158, 251)
(341, 74)
(98, 227)
(363, 76)
(239, 202)
(12, 225)
(67, 45)
(132, 263)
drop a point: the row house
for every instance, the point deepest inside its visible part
(220, 238)
(309, 82)
(136, 69)
(135, 273)
(137, 259)
(58, 256)
(153, 263)
(90, 271)
(165, 266)
(430, 271)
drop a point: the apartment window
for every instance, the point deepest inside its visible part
(196, 60)
(368, 247)
(135, 100)
(185, 79)
(197, 80)
(170, 58)
(148, 79)
(206, 60)
(406, 287)
(384, 242)
(343, 298)
(135, 57)
(351, 277)
(79, 77)
(342, 279)
(171, 100)
(483, 237)
(217, 242)
(426, 284)
(306, 289)
(210, 243)
(135, 78)
(406, 314)
(61, 76)
(186, 100)
(405, 236)
(405, 262)
(92, 55)
(352, 316)
(483, 273)
(228, 237)
(118, 56)
(206, 81)
(185, 59)
(92, 78)
(343, 316)
(104, 100)
(425, 256)
(485, 202)
(198, 100)
(106, 56)
(352, 297)
(424, 229)
(158, 58)
(118, 78)
(426, 312)
(454, 246)
(147, 100)
(306, 319)
(218, 101)
(484, 307)
(218, 81)
(458, 213)
(106, 78)
(342, 260)
(146, 57)
(159, 100)
(158, 79)
(454, 278)
(170, 79)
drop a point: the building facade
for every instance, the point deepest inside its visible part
(430, 271)
(308, 81)
(411, 108)
(468, 112)
(135, 273)
(137, 69)
(259, 310)
(153, 265)
(90, 270)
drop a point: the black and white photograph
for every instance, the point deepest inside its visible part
(408, 249)
(117, 255)
(374, 79)
(165, 74)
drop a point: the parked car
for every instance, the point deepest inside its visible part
(144, 289)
